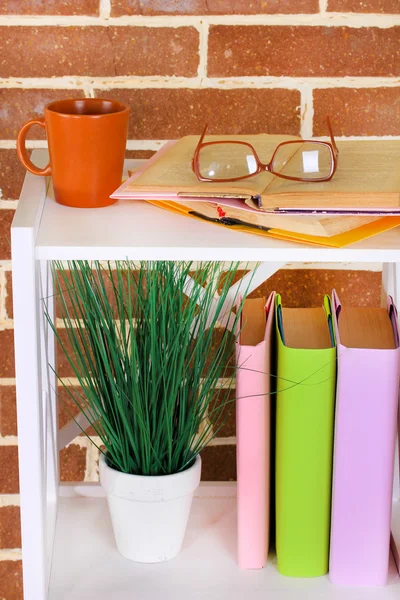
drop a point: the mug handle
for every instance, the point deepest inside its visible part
(22, 153)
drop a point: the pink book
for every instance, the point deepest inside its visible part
(253, 354)
(364, 447)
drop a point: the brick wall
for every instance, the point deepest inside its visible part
(243, 66)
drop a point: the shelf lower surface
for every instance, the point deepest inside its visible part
(86, 564)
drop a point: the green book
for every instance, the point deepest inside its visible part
(306, 381)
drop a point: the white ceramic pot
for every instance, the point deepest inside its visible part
(149, 514)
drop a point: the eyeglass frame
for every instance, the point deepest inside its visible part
(261, 167)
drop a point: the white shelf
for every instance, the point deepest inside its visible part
(137, 230)
(84, 562)
(87, 566)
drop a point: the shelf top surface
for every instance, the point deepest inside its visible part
(86, 563)
(135, 229)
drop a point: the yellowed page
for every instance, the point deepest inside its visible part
(306, 328)
(366, 328)
(173, 171)
(253, 321)
(368, 176)
(308, 224)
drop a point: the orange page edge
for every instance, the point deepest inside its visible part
(335, 241)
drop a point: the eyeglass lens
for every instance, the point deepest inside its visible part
(304, 160)
(226, 161)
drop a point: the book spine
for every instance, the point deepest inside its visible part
(304, 435)
(365, 437)
(253, 455)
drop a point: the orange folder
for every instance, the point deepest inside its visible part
(335, 241)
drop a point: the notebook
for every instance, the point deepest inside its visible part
(253, 418)
(367, 178)
(306, 378)
(365, 437)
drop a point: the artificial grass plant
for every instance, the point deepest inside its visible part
(145, 355)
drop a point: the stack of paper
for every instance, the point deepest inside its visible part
(362, 199)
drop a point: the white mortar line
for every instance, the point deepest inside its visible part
(200, 82)
(6, 325)
(3, 295)
(323, 6)
(331, 19)
(345, 266)
(9, 500)
(5, 264)
(92, 458)
(350, 138)
(68, 381)
(203, 50)
(83, 442)
(8, 204)
(223, 441)
(15, 554)
(306, 111)
(145, 144)
(8, 440)
(105, 9)
(7, 381)
(30, 144)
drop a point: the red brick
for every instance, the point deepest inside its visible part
(67, 408)
(9, 483)
(172, 113)
(218, 463)
(140, 154)
(306, 288)
(155, 51)
(303, 51)
(55, 51)
(9, 304)
(12, 175)
(227, 422)
(11, 580)
(6, 217)
(211, 7)
(363, 111)
(98, 51)
(10, 527)
(364, 6)
(7, 353)
(64, 369)
(19, 106)
(46, 7)
(72, 463)
(8, 410)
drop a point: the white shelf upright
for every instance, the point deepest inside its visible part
(68, 551)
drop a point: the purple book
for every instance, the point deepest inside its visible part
(364, 447)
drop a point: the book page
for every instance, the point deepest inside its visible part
(253, 320)
(173, 171)
(368, 175)
(320, 225)
(366, 328)
(306, 328)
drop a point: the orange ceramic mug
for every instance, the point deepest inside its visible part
(87, 140)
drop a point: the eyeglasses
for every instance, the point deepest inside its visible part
(296, 160)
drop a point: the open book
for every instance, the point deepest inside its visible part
(367, 179)
(167, 178)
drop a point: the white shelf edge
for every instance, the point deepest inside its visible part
(206, 489)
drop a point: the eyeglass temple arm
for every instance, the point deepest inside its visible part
(331, 134)
(197, 150)
(202, 137)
